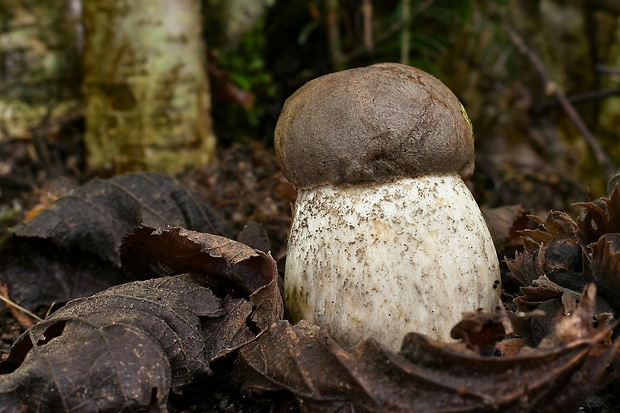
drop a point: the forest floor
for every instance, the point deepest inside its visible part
(244, 185)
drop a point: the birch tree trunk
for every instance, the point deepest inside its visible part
(39, 65)
(145, 85)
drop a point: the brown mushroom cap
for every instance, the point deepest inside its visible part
(372, 124)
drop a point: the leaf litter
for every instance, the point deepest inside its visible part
(505, 361)
(126, 348)
(426, 375)
(70, 248)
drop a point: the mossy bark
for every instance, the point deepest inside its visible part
(146, 89)
(39, 65)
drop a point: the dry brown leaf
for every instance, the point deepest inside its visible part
(123, 349)
(501, 221)
(94, 217)
(427, 376)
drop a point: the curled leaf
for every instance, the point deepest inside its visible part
(428, 376)
(473, 323)
(600, 217)
(70, 248)
(125, 348)
(69, 366)
(501, 222)
(225, 266)
(94, 217)
(132, 342)
(605, 266)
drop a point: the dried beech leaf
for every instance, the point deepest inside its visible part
(601, 217)
(162, 316)
(500, 222)
(39, 273)
(543, 326)
(480, 330)
(69, 249)
(94, 217)
(226, 266)
(605, 266)
(557, 225)
(428, 376)
(168, 309)
(74, 366)
(255, 235)
(124, 348)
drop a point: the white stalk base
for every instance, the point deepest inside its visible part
(388, 259)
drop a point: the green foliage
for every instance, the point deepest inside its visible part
(301, 50)
(432, 30)
(247, 70)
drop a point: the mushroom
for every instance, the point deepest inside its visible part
(386, 238)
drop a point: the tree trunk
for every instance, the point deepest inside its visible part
(39, 65)
(146, 89)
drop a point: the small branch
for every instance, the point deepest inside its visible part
(367, 12)
(552, 88)
(405, 42)
(392, 30)
(333, 35)
(405, 37)
(19, 313)
(607, 70)
(580, 98)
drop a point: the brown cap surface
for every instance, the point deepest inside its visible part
(372, 124)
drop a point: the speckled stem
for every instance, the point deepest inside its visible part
(387, 259)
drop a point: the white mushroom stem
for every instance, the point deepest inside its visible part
(386, 259)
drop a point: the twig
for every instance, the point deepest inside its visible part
(405, 36)
(17, 310)
(552, 88)
(333, 35)
(405, 39)
(367, 12)
(579, 98)
(607, 70)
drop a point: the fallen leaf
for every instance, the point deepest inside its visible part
(481, 330)
(39, 273)
(95, 216)
(234, 268)
(564, 255)
(75, 366)
(70, 248)
(501, 222)
(125, 348)
(255, 236)
(304, 362)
